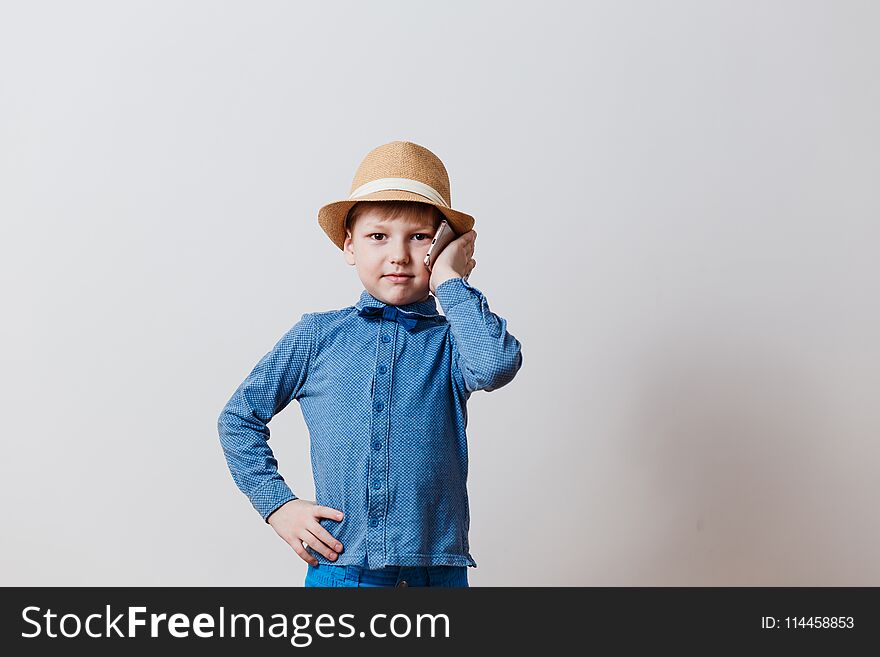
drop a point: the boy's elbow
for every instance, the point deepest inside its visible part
(227, 416)
(505, 372)
(223, 425)
(498, 375)
(222, 421)
(230, 423)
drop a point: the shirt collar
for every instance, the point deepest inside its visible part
(426, 308)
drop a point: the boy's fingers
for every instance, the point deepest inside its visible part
(316, 545)
(327, 512)
(325, 536)
(302, 552)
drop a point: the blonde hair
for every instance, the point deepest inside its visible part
(394, 209)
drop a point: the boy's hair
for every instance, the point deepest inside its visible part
(394, 209)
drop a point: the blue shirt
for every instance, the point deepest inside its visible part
(386, 409)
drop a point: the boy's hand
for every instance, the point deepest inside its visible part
(455, 260)
(297, 523)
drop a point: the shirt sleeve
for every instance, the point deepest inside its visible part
(273, 383)
(487, 356)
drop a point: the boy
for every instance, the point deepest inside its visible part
(383, 387)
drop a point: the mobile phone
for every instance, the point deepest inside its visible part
(443, 237)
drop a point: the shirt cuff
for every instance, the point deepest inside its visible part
(270, 497)
(453, 291)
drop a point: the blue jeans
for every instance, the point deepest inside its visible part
(337, 576)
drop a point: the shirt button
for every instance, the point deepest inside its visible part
(377, 484)
(379, 406)
(374, 522)
(386, 338)
(382, 369)
(377, 445)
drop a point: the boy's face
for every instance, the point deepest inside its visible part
(378, 247)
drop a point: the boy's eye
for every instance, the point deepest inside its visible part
(422, 236)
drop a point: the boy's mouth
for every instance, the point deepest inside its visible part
(398, 278)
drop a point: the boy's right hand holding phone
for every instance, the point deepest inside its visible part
(455, 260)
(297, 522)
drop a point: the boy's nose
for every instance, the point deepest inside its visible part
(400, 254)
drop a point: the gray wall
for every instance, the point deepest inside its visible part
(677, 206)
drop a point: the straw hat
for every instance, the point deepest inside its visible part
(398, 171)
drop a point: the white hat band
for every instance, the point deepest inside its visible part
(402, 184)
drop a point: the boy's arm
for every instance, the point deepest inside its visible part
(273, 383)
(488, 357)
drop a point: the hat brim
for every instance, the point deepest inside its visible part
(331, 217)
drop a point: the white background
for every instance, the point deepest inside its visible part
(677, 206)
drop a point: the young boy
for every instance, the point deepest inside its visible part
(383, 387)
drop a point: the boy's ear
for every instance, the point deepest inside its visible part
(348, 248)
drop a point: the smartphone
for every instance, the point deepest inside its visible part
(443, 237)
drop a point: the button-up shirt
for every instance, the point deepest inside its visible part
(386, 409)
